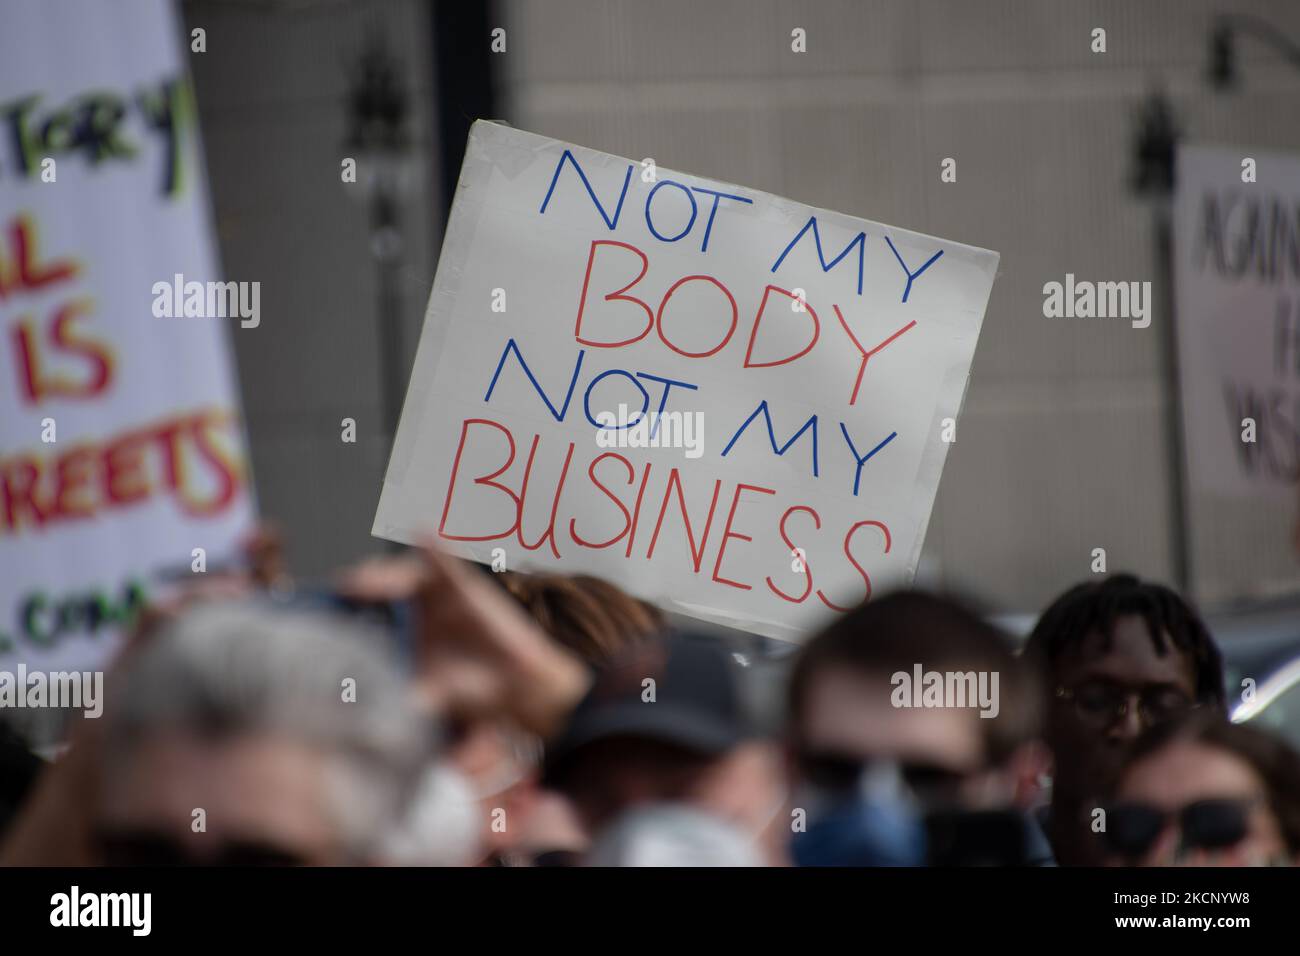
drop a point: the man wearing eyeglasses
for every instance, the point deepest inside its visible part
(1118, 656)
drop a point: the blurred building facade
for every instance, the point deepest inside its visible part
(273, 92)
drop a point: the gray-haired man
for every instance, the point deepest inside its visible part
(246, 734)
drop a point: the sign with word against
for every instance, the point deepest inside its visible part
(121, 448)
(731, 404)
(1237, 272)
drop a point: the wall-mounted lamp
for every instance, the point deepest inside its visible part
(1223, 71)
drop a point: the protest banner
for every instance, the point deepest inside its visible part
(1237, 274)
(731, 404)
(121, 446)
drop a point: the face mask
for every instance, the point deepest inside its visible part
(669, 834)
(442, 825)
(878, 825)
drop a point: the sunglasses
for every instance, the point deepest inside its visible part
(1132, 828)
(145, 848)
(1100, 703)
(838, 773)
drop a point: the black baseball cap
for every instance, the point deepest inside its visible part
(696, 702)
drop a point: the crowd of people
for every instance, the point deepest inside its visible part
(424, 711)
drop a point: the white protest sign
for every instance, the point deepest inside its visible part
(731, 404)
(121, 448)
(1237, 273)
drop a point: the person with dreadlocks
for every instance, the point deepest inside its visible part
(1118, 656)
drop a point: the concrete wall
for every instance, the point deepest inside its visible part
(271, 92)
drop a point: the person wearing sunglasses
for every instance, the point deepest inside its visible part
(1117, 657)
(878, 781)
(1203, 792)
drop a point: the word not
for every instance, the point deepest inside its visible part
(208, 300)
(75, 908)
(946, 689)
(56, 689)
(1102, 300)
(560, 411)
(687, 194)
(652, 430)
